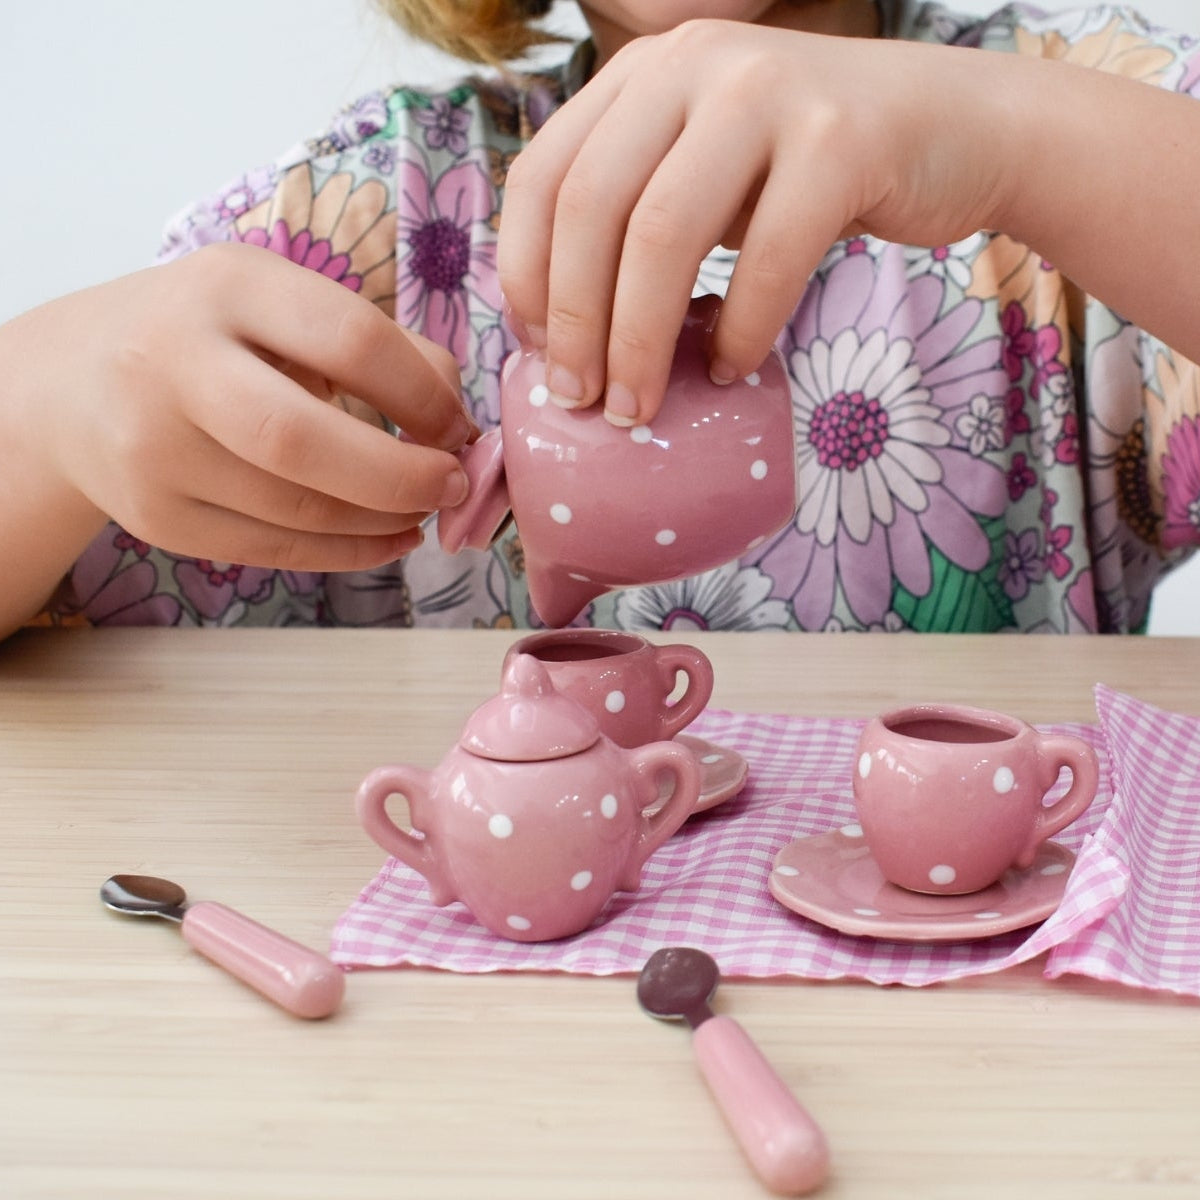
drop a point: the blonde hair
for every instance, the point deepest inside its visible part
(485, 31)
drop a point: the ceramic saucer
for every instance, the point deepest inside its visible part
(832, 879)
(722, 772)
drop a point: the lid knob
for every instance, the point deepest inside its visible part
(529, 720)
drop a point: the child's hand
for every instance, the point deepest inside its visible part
(199, 404)
(732, 133)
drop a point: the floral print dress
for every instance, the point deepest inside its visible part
(980, 446)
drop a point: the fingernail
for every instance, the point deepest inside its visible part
(460, 432)
(566, 388)
(620, 405)
(721, 373)
(455, 490)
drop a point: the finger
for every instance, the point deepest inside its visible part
(602, 189)
(276, 425)
(531, 194)
(665, 242)
(229, 483)
(779, 253)
(222, 535)
(308, 319)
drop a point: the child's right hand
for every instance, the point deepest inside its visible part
(196, 404)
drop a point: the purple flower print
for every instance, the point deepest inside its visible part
(1181, 485)
(109, 594)
(881, 375)
(446, 252)
(363, 119)
(381, 157)
(1022, 563)
(241, 196)
(445, 125)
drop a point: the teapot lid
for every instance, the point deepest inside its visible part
(530, 720)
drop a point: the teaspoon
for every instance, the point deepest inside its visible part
(296, 978)
(782, 1142)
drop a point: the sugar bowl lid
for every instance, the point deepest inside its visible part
(529, 720)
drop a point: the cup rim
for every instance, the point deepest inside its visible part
(614, 641)
(964, 715)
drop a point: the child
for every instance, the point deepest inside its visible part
(979, 263)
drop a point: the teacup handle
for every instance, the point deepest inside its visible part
(672, 659)
(648, 761)
(413, 783)
(1058, 751)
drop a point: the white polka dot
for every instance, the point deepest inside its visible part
(500, 826)
(664, 537)
(758, 469)
(538, 395)
(640, 434)
(560, 513)
(1003, 780)
(864, 764)
(614, 702)
(867, 912)
(986, 916)
(522, 923)
(942, 875)
(754, 379)
(580, 880)
(708, 759)
(608, 806)
(851, 831)
(788, 871)
(1053, 869)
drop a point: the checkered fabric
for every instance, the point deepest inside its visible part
(1131, 911)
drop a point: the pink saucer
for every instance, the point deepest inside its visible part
(832, 879)
(722, 772)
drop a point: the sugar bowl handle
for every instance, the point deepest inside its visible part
(414, 784)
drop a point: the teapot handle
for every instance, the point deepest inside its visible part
(648, 761)
(413, 783)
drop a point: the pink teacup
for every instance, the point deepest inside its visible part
(623, 680)
(601, 508)
(950, 797)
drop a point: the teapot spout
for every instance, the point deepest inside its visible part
(559, 596)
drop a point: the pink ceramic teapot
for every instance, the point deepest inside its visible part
(600, 507)
(535, 818)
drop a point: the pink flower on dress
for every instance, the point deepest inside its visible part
(1181, 485)
(1020, 476)
(306, 250)
(446, 252)
(219, 591)
(107, 593)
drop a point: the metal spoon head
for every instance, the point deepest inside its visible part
(678, 982)
(144, 896)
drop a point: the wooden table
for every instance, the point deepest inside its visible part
(132, 1068)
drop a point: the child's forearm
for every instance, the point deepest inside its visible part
(1103, 180)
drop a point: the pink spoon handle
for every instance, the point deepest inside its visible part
(782, 1142)
(296, 978)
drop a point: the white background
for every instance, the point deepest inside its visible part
(120, 112)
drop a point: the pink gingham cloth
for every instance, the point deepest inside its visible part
(1131, 910)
